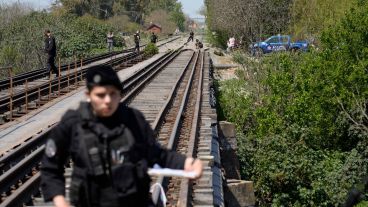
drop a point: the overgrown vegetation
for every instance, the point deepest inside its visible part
(253, 20)
(302, 118)
(80, 28)
(136, 10)
(22, 40)
(150, 50)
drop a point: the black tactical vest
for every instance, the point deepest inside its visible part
(109, 166)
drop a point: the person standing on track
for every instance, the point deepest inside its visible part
(111, 146)
(191, 36)
(50, 50)
(137, 38)
(110, 41)
(153, 38)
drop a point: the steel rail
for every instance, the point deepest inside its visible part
(14, 174)
(20, 98)
(40, 73)
(8, 159)
(131, 94)
(184, 193)
(175, 130)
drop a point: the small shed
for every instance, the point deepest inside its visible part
(154, 28)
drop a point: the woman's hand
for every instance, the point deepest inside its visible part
(59, 201)
(194, 165)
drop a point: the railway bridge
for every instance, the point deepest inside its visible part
(174, 91)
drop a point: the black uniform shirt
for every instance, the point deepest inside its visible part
(136, 38)
(60, 137)
(50, 46)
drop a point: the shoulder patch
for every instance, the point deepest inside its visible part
(50, 148)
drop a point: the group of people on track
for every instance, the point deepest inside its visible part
(50, 46)
(111, 145)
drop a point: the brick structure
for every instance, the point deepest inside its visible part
(154, 28)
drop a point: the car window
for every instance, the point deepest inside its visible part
(273, 40)
(284, 39)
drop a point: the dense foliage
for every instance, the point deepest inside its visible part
(310, 17)
(80, 28)
(22, 40)
(252, 20)
(303, 119)
(174, 8)
(150, 50)
(136, 10)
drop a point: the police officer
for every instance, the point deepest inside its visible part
(153, 38)
(50, 50)
(198, 44)
(111, 147)
(137, 38)
(191, 36)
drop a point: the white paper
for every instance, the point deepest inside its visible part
(158, 187)
(167, 172)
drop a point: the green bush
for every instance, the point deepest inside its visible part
(217, 38)
(150, 50)
(303, 119)
(75, 36)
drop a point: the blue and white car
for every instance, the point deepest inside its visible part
(277, 43)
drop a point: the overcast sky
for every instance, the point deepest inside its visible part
(190, 7)
(38, 4)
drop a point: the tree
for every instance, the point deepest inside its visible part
(162, 17)
(252, 19)
(178, 16)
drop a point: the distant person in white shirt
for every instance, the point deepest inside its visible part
(230, 44)
(110, 41)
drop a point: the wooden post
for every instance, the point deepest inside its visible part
(50, 86)
(68, 76)
(39, 96)
(59, 79)
(75, 72)
(81, 67)
(11, 92)
(26, 96)
(111, 59)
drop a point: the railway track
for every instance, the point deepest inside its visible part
(20, 79)
(168, 92)
(19, 100)
(20, 165)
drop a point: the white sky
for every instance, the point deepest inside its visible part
(37, 4)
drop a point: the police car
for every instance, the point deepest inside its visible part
(277, 43)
